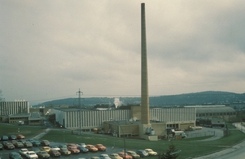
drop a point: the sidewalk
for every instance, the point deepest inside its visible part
(228, 150)
(41, 134)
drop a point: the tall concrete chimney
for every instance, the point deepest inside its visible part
(145, 117)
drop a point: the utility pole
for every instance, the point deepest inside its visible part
(79, 110)
(79, 98)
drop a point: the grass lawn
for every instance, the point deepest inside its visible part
(27, 131)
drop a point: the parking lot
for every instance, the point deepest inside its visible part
(4, 154)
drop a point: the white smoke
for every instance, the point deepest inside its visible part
(117, 102)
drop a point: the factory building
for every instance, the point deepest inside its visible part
(14, 107)
(125, 122)
(18, 112)
(214, 111)
(8, 108)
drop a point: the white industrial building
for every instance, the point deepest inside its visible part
(14, 107)
(161, 118)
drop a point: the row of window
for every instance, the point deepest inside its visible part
(215, 114)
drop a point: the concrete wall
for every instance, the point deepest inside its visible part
(159, 128)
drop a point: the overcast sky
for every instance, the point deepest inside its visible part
(50, 49)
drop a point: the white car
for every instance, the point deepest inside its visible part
(104, 156)
(31, 155)
(115, 156)
(55, 148)
(23, 151)
(151, 152)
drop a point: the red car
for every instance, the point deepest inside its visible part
(125, 155)
(20, 136)
(71, 145)
(73, 149)
(92, 148)
(100, 147)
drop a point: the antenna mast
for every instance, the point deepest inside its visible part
(79, 98)
(79, 111)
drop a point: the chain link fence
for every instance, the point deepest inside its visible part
(200, 133)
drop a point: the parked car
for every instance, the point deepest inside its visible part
(55, 148)
(22, 140)
(133, 154)
(1, 146)
(54, 153)
(43, 155)
(71, 145)
(62, 146)
(19, 145)
(82, 144)
(35, 149)
(45, 148)
(91, 148)
(142, 153)
(12, 137)
(31, 155)
(35, 142)
(23, 151)
(19, 136)
(115, 156)
(14, 155)
(4, 138)
(125, 155)
(45, 143)
(65, 151)
(28, 144)
(73, 149)
(82, 149)
(151, 152)
(100, 147)
(8, 145)
(104, 156)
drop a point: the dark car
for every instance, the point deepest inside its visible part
(4, 138)
(28, 144)
(62, 146)
(34, 142)
(35, 149)
(19, 144)
(45, 143)
(142, 153)
(12, 137)
(14, 155)
(1, 146)
(43, 154)
(54, 153)
(82, 149)
(65, 151)
(8, 145)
